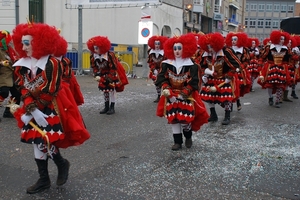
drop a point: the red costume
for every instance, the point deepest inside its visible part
(253, 68)
(238, 42)
(274, 74)
(108, 71)
(179, 81)
(220, 80)
(49, 117)
(155, 57)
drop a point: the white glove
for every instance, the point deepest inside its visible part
(39, 117)
(210, 72)
(180, 97)
(204, 79)
(97, 78)
(237, 69)
(172, 99)
(297, 65)
(155, 72)
(26, 118)
(166, 92)
(261, 78)
(227, 80)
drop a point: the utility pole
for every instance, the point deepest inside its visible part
(79, 71)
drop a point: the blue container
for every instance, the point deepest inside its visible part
(73, 55)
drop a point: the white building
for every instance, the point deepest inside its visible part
(120, 25)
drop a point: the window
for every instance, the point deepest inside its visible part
(246, 22)
(36, 10)
(252, 22)
(269, 7)
(276, 7)
(275, 24)
(268, 23)
(260, 23)
(253, 7)
(247, 7)
(261, 7)
(290, 8)
(283, 8)
(198, 2)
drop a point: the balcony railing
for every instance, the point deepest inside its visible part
(233, 22)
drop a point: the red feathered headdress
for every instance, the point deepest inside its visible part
(297, 38)
(266, 41)
(215, 40)
(161, 39)
(250, 40)
(44, 38)
(101, 42)
(189, 46)
(275, 37)
(294, 42)
(241, 42)
(62, 47)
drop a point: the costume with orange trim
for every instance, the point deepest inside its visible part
(220, 79)
(274, 74)
(180, 102)
(253, 68)
(68, 75)
(155, 57)
(49, 119)
(108, 71)
(238, 42)
(296, 75)
(7, 58)
(196, 58)
(293, 64)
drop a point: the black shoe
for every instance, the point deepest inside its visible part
(63, 167)
(294, 95)
(176, 147)
(271, 102)
(188, 143)
(105, 109)
(44, 180)
(111, 109)
(239, 105)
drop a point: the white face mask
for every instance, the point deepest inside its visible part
(96, 50)
(27, 47)
(157, 45)
(281, 40)
(177, 48)
(234, 40)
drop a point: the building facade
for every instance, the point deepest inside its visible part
(262, 17)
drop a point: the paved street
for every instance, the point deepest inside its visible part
(129, 153)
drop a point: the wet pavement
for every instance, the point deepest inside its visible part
(129, 154)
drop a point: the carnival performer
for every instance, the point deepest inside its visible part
(274, 75)
(7, 58)
(253, 67)
(197, 56)
(49, 118)
(107, 70)
(296, 78)
(180, 102)
(155, 57)
(68, 76)
(292, 65)
(238, 42)
(220, 79)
